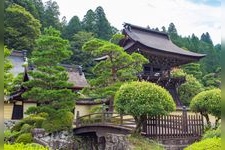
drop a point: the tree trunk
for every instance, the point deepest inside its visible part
(139, 123)
(111, 102)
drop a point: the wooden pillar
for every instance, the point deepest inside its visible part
(184, 120)
(77, 119)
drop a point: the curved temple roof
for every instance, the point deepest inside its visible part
(156, 40)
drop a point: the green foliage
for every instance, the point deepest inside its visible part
(10, 136)
(103, 27)
(79, 57)
(141, 143)
(32, 121)
(206, 144)
(61, 120)
(143, 98)
(194, 69)
(178, 73)
(212, 133)
(117, 68)
(18, 126)
(8, 77)
(189, 89)
(51, 15)
(73, 27)
(21, 28)
(208, 102)
(97, 23)
(49, 84)
(21, 146)
(24, 138)
(26, 128)
(211, 80)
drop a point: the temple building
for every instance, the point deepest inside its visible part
(163, 56)
(15, 106)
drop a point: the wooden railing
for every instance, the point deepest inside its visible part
(156, 127)
(174, 126)
(105, 118)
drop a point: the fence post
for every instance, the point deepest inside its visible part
(77, 119)
(121, 119)
(144, 128)
(103, 116)
(184, 120)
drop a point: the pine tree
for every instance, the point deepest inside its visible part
(72, 28)
(48, 85)
(206, 38)
(89, 22)
(104, 30)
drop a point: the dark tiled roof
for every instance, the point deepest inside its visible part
(76, 75)
(155, 40)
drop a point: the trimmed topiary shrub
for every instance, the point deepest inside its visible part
(206, 144)
(143, 98)
(208, 102)
(24, 138)
(26, 128)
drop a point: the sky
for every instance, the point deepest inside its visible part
(189, 16)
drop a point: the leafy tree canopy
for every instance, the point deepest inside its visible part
(21, 28)
(117, 66)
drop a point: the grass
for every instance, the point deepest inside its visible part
(141, 143)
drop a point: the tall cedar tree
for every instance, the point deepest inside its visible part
(89, 22)
(51, 15)
(117, 68)
(48, 85)
(72, 28)
(21, 28)
(79, 57)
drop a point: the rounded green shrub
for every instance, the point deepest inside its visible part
(26, 128)
(142, 98)
(206, 144)
(208, 102)
(24, 138)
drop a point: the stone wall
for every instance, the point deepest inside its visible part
(116, 142)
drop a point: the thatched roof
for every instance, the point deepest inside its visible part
(76, 76)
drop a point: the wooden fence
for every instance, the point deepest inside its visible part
(174, 126)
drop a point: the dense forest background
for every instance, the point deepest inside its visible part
(25, 21)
